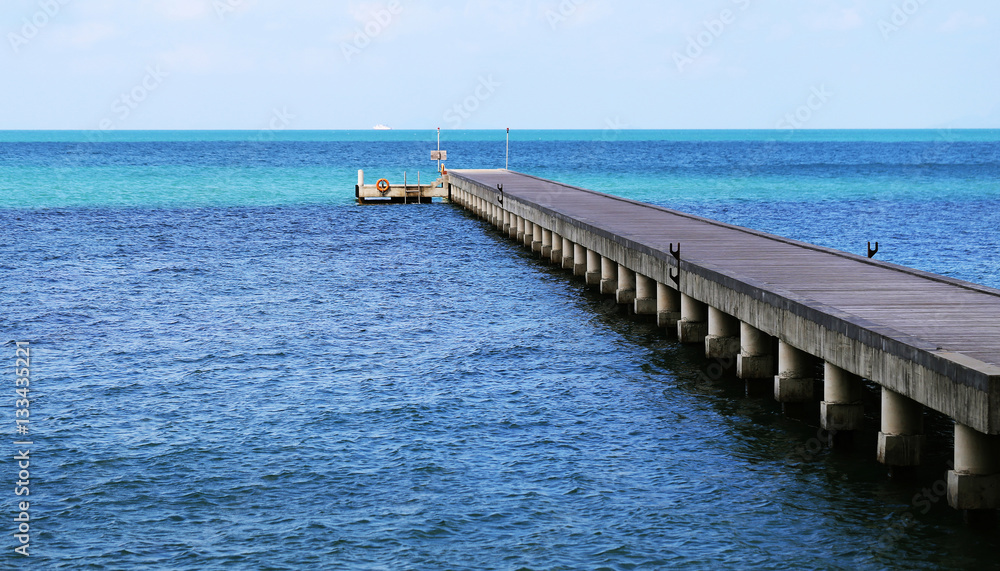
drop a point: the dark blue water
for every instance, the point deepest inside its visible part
(234, 366)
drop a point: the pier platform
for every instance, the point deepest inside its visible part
(927, 340)
(398, 193)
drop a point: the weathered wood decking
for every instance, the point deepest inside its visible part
(928, 337)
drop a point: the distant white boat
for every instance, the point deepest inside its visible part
(381, 127)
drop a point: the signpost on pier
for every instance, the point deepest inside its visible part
(439, 155)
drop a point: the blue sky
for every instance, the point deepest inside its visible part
(486, 64)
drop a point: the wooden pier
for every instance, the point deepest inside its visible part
(927, 340)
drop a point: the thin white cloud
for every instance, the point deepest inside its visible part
(84, 35)
(840, 20)
(198, 58)
(181, 10)
(959, 21)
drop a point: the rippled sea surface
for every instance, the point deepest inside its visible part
(235, 366)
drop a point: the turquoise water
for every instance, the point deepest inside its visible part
(236, 366)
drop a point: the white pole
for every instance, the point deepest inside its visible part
(506, 161)
(439, 150)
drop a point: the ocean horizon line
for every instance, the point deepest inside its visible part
(608, 135)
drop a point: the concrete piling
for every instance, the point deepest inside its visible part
(556, 254)
(841, 409)
(625, 292)
(593, 274)
(974, 483)
(579, 260)
(755, 360)
(668, 307)
(723, 339)
(569, 253)
(609, 276)
(901, 440)
(693, 325)
(794, 381)
(645, 295)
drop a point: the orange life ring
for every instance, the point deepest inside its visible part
(382, 185)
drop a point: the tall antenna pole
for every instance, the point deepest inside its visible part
(439, 150)
(506, 161)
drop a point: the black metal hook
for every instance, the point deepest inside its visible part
(500, 197)
(871, 253)
(677, 256)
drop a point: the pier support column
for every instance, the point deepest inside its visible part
(755, 360)
(593, 273)
(569, 254)
(901, 440)
(974, 484)
(529, 232)
(793, 383)
(693, 326)
(536, 238)
(546, 250)
(723, 340)
(506, 222)
(579, 260)
(841, 412)
(556, 255)
(625, 293)
(609, 276)
(645, 295)
(512, 230)
(668, 306)
(519, 230)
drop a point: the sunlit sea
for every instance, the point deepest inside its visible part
(234, 365)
